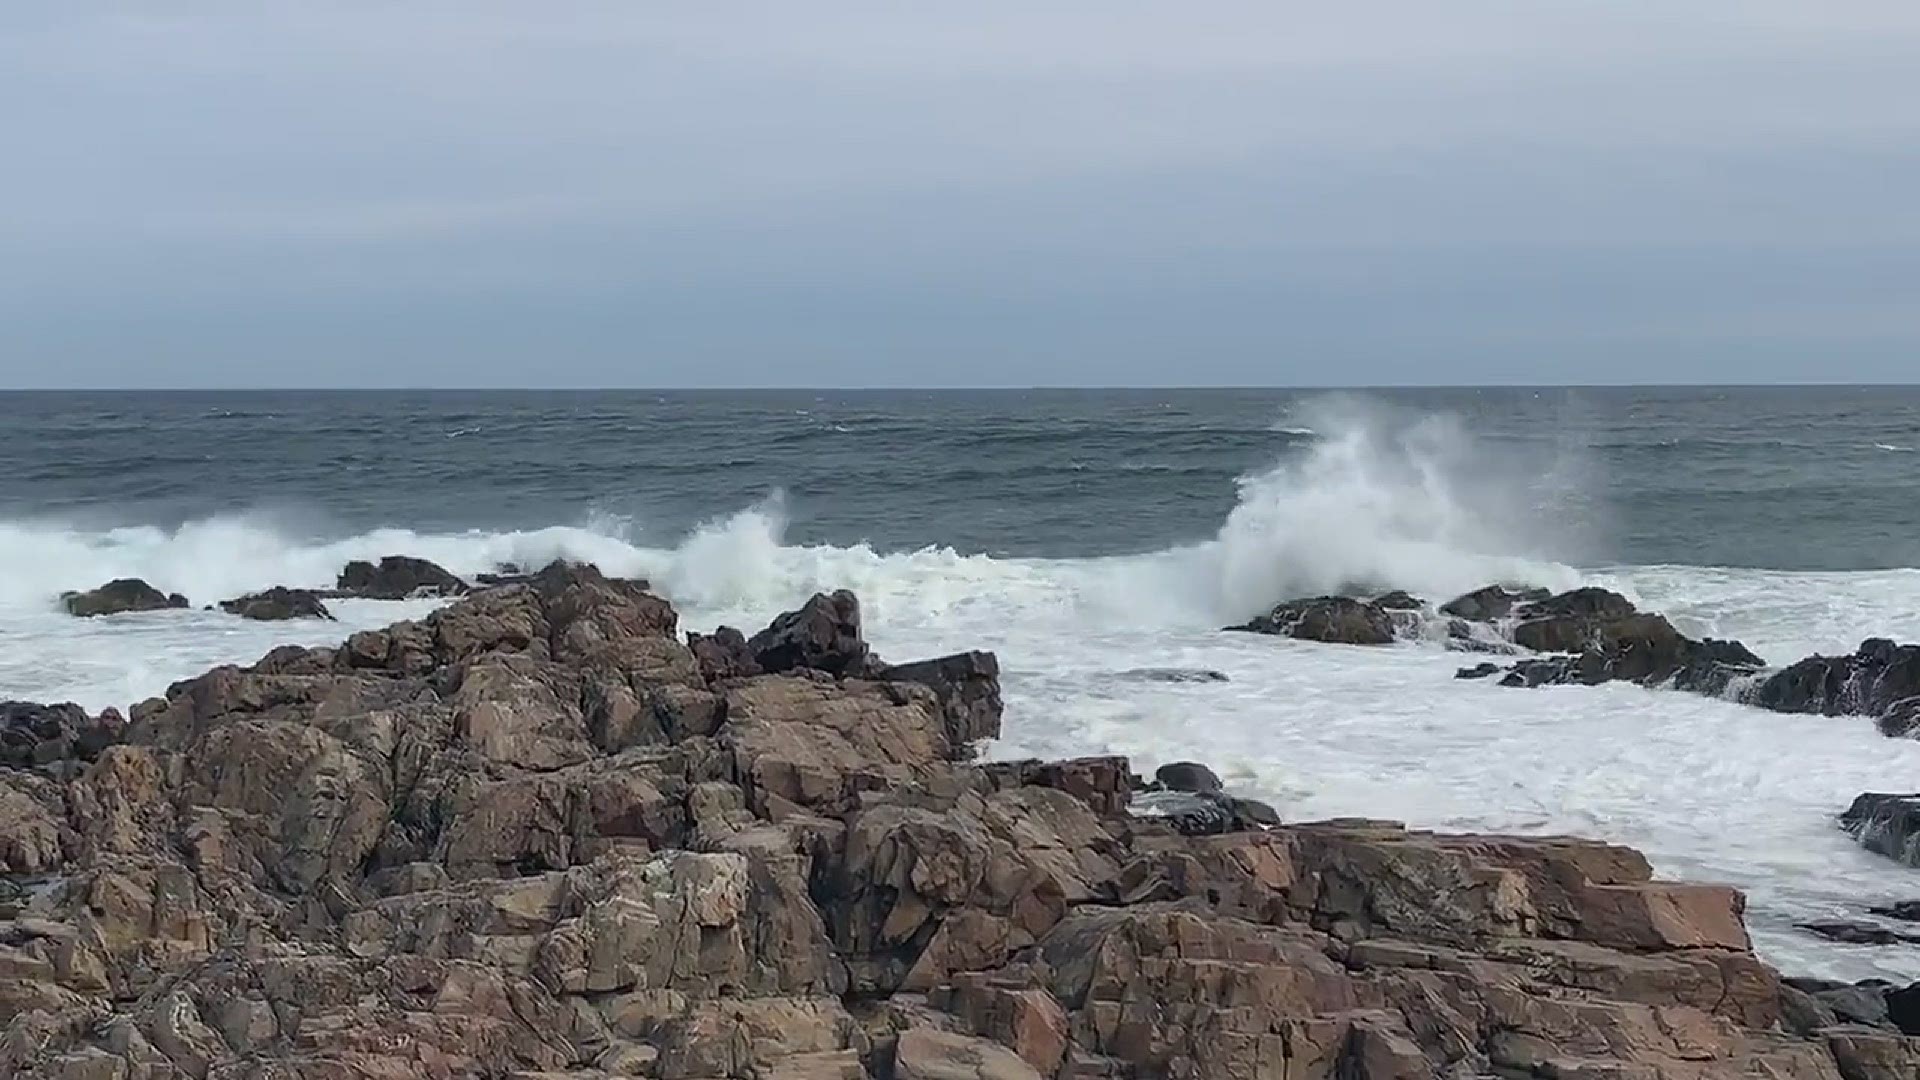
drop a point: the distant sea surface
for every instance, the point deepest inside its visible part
(1083, 534)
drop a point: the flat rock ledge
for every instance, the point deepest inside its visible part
(537, 835)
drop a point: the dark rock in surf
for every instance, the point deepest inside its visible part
(1399, 600)
(1903, 1009)
(1879, 679)
(824, 635)
(119, 596)
(1604, 639)
(1478, 671)
(1187, 776)
(1335, 620)
(398, 577)
(34, 735)
(1203, 813)
(1174, 675)
(277, 604)
(723, 654)
(1491, 603)
(1886, 825)
(1853, 933)
(1853, 1003)
(1905, 911)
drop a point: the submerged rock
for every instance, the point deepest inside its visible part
(398, 577)
(1338, 620)
(119, 596)
(1905, 910)
(1174, 675)
(1203, 813)
(278, 603)
(1478, 671)
(1886, 825)
(1399, 600)
(1854, 933)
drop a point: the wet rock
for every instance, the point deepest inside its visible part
(1491, 603)
(1478, 671)
(1399, 600)
(1853, 1003)
(1203, 813)
(1603, 639)
(1905, 910)
(278, 603)
(1174, 675)
(1881, 679)
(1187, 776)
(1903, 1011)
(33, 735)
(1338, 620)
(1886, 825)
(398, 577)
(120, 596)
(1853, 933)
(823, 635)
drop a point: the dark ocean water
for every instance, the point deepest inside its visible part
(1787, 478)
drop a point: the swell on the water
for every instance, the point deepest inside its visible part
(1377, 500)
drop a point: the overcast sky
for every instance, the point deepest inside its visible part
(1100, 192)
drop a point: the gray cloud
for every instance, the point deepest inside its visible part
(1098, 193)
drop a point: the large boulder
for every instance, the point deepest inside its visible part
(1886, 825)
(398, 577)
(823, 635)
(1338, 620)
(1879, 678)
(278, 604)
(119, 596)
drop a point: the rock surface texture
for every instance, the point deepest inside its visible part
(397, 577)
(536, 835)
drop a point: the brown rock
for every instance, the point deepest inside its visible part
(120, 596)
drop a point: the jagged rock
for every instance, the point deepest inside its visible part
(398, 577)
(1491, 603)
(1399, 600)
(723, 654)
(1886, 825)
(823, 635)
(1174, 675)
(1203, 813)
(968, 686)
(119, 596)
(1603, 639)
(534, 834)
(33, 735)
(1339, 620)
(278, 603)
(1875, 680)
(1187, 776)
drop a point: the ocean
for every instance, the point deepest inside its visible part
(1083, 535)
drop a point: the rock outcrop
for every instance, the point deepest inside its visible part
(534, 835)
(1881, 679)
(1337, 620)
(1491, 604)
(34, 735)
(118, 597)
(1886, 825)
(397, 577)
(277, 604)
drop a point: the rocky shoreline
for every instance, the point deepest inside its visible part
(538, 833)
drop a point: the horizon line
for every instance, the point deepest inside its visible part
(993, 388)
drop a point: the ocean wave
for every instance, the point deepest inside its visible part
(1892, 449)
(1381, 498)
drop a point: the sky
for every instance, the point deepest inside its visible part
(1085, 192)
